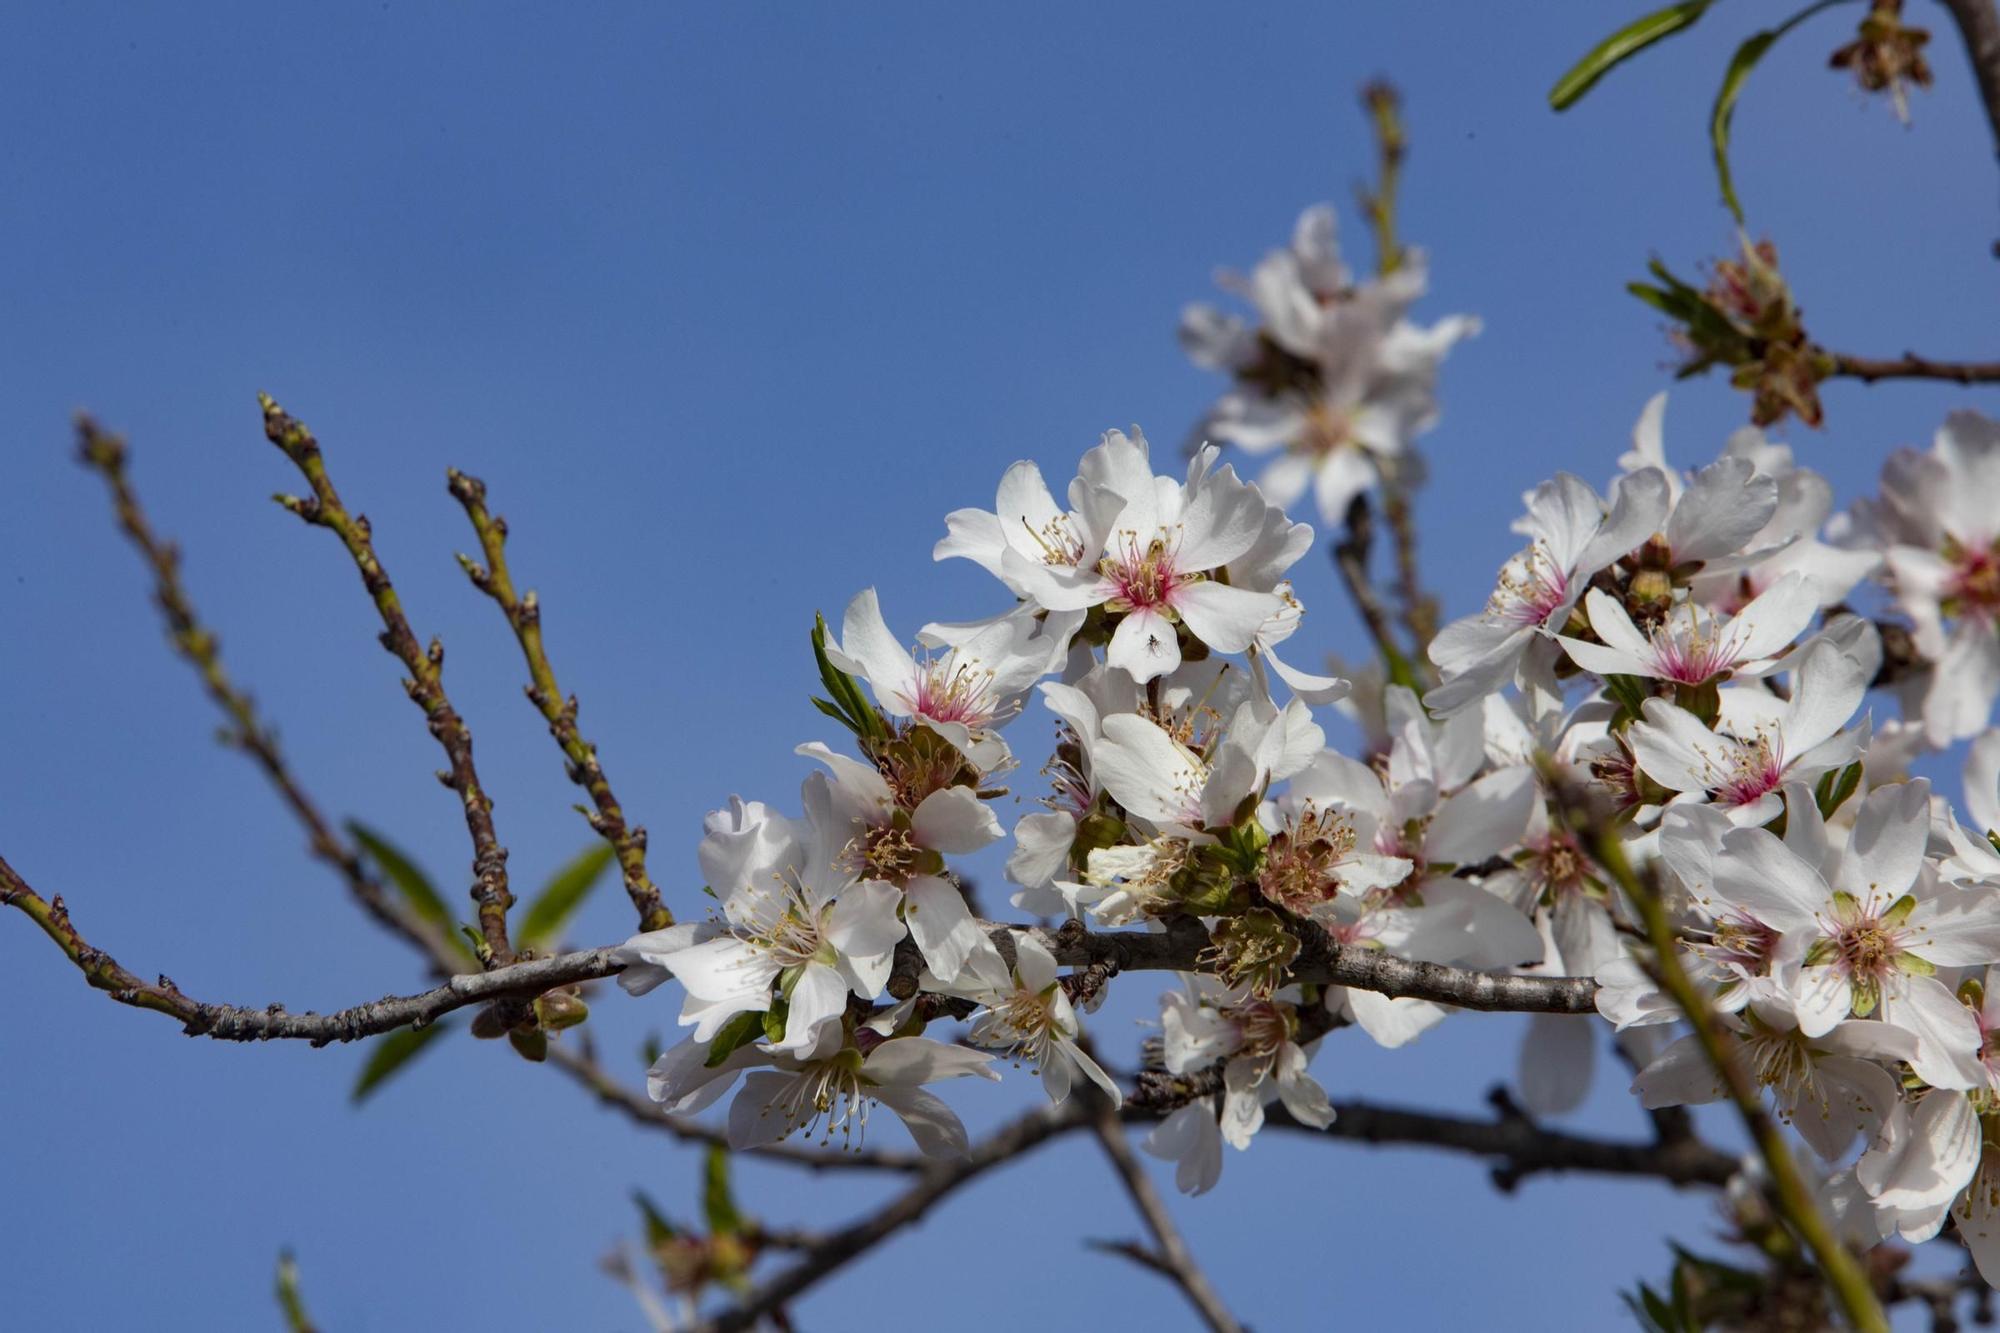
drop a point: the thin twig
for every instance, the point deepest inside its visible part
(425, 684)
(1350, 558)
(524, 615)
(228, 1022)
(1789, 1195)
(1171, 1256)
(1519, 1147)
(938, 1182)
(105, 453)
(1910, 366)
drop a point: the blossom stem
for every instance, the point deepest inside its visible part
(1789, 1195)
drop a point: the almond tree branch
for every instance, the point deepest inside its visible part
(524, 615)
(1350, 558)
(1910, 366)
(425, 684)
(1979, 26)
(1176, 949)
(1171, 1256)
(105, 453)
(1519, 1147)
(938, 1182)
(228, 1022)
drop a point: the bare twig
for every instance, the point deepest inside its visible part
(1171, 1256)
(291, 1304)
(937, 1183)
(1385, 111)
(1519, 1147)
(524, 615)
(1979, 26)
(1910, 366)
(1350, 558)
(425, 684)
(105, 453)
(227, 1022)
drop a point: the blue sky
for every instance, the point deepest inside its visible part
(729, 306)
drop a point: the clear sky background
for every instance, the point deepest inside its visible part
(730, 306)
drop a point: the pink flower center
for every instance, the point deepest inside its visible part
(950, 691)
(1143, 577)
(1532, 588)
(1755, 770)
(1974, 589)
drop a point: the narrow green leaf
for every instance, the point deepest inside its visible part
(847, 695)
(416, 887)
(389, 1053)
(1833, 790)
(562, 895)
(658, 1229)
(739, 1031)
(1622, 45)
(1740, 65)
(833, 711)
(717, 1203)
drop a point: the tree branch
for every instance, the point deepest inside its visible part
(105, 454)
(939, 1181)
(1979, 26)
(1520, 1147)
(1910, 366)
(524, 615)
(425, 684)
(227, 1022)
(1350, 558)
(1172, 1258)
(1176, 949)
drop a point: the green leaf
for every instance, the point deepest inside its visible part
(658, 1229)
(739, 1031)
(416, 887)
(389, 1053)
(717, 1203)
(853, 708)
(1740, 65)
(1833, 790)
(562, 895)
(1622, 45)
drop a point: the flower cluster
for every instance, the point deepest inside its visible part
(1667, 693)
(1334, 379)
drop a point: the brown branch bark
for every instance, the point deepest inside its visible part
(228, 1022)
(1979, 26)
(524, 616)
(1519, 1147)
(105, 453)
(1910, 366)
(1176, 949)
(938, 1182)
(1170, 1256)
(425, 685)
